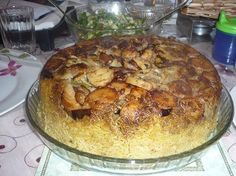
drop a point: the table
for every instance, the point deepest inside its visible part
(21, 149)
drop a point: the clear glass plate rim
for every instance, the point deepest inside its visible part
(202, 147)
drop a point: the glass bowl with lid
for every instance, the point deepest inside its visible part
(129, 166)
(96, 20)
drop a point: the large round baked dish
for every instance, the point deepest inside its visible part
(128, 103)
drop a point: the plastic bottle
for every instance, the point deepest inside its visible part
(224, 49)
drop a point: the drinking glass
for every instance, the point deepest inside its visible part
(17, 28)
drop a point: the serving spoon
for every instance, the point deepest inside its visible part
(62, 11)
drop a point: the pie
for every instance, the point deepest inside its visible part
(129, 97)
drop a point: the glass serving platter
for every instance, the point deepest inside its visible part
(129, 166)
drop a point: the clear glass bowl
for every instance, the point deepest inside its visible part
(149, 11)
(129, 166)
(118, 21)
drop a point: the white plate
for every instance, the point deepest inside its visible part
(13, 88)
(233, 95)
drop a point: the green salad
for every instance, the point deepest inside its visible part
(105, 23)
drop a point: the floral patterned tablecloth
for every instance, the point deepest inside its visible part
(21, 149)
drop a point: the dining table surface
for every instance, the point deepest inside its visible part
(21, 148)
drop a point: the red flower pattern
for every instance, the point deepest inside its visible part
(11, 70)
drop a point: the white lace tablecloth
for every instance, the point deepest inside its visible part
(21, 150)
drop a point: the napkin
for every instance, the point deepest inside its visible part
(51, 19)
(45, 16)
(54, 16)
(39, 10)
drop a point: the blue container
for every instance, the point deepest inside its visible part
(224, 49)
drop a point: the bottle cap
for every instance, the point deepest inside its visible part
(226, 24)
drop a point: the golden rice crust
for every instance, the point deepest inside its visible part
(129, 97)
